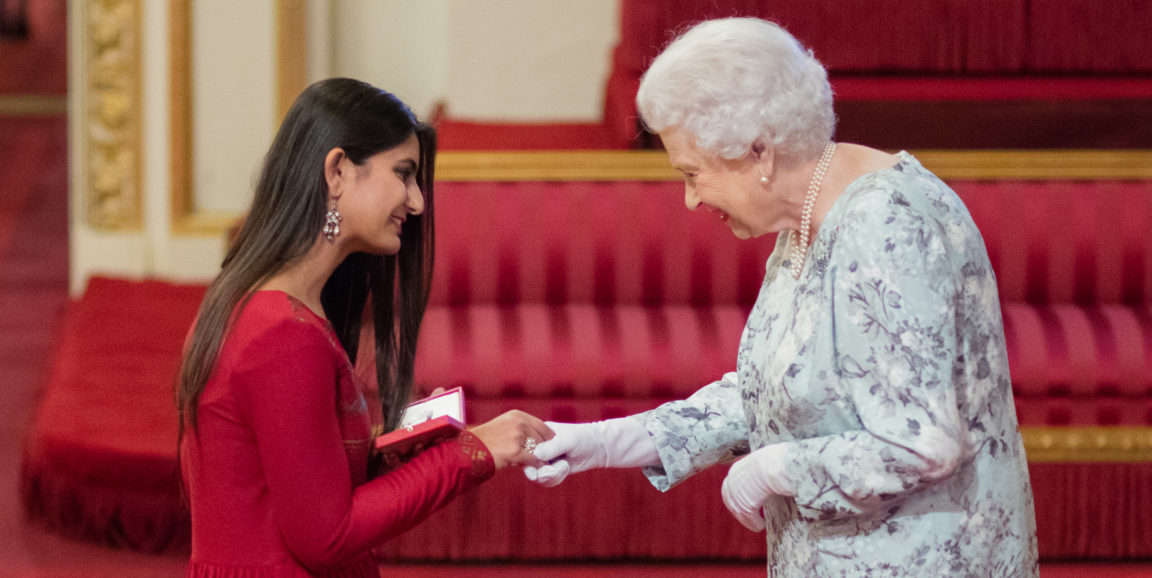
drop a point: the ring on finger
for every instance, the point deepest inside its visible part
(530, 445)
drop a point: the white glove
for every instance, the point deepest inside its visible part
(614, 443)
(752, 481)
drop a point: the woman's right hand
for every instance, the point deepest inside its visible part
(507, 435)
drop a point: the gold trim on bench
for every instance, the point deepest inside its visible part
(485, 166)
(1038, 164)
(554, 166)
(653, 165)
(1087, 444)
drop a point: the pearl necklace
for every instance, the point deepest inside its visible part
(800, 249)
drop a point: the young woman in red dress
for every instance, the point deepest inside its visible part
(276, 428)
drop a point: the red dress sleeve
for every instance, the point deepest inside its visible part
(290, 375)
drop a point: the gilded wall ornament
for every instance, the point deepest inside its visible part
(111, 123)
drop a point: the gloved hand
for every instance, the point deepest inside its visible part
(754, 479)
(577, 447)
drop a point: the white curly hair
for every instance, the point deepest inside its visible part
(735, 81)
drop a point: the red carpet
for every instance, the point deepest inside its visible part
(24, 144)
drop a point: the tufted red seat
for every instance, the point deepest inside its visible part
(588, 300)
(1074, 268)
(614, 291)
(583, 291)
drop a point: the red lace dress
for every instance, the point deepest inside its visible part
(277, 472)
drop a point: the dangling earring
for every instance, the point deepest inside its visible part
(332, 224)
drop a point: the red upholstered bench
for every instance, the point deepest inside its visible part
(584, 300)
(1075, 277)
(590, 300)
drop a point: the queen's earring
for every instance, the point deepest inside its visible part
(332, 223)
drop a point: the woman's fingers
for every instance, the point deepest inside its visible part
(538, 429)
(535, 432)
(507, 437)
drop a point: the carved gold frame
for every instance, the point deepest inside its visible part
(291, 76)
(110, 115)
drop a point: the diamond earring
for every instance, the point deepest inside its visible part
(332, 223)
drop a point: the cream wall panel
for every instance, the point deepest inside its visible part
(398, 45)
(153, 250)
(191, 258)
(234, 98)
(321, 41)
(492, 60)
(530, 60)
(95, 253)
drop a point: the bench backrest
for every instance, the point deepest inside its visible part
(608, 243)
(634, 242)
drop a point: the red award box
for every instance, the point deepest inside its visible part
(425, 422)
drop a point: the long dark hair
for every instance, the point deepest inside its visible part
(287, 217)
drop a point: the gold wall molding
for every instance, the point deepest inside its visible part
(1087, 444)
(111, 115)
(33, 105)
(184, 219)
(291, 52)
(291, 76)
(653, 165)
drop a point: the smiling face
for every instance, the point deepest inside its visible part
(377, 196)
(729, 188)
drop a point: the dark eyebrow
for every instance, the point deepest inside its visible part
(412, 165)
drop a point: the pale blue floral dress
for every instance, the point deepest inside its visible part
(883, 371)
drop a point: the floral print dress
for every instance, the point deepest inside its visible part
(884, 374)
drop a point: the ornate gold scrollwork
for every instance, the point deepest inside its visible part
(111, 122)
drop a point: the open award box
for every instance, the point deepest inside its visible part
(425, 422)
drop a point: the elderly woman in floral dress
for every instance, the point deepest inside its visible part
(871, 407)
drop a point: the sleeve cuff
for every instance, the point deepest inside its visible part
(666, 474)
(476, 453)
